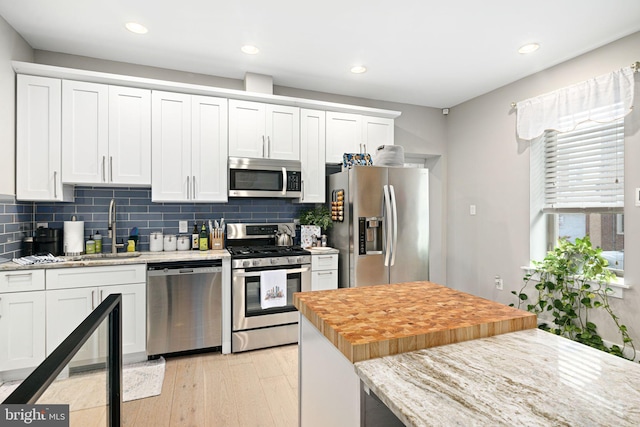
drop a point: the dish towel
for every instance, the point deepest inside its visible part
(273, 289)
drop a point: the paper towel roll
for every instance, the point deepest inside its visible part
(73, 237)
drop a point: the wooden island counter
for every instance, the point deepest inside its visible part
(420, 354)
(341, 327)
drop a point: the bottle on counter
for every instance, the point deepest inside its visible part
(204, 239)
(98, 239)
(195, 237)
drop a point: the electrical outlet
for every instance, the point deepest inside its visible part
(499, 283)
(472, 209)
(182, 226)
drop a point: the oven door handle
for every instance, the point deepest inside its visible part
(242, 273)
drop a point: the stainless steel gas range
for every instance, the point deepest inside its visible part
(264, 277)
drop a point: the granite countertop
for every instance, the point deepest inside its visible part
(143, 258)
(525, 378)
(376, 321)
(322, 251)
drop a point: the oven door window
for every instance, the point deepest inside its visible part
(252, 287)
(259, 180)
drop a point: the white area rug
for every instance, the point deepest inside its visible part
(88, 389)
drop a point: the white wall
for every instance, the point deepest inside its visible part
(488, 168)
(12, 48)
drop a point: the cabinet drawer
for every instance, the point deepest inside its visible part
(80, 277)
(21, 280)
(324, 262)
(324, 280)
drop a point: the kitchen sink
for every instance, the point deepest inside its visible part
(107, 255)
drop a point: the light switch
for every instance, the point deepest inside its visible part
(472, 209)
(182, 226)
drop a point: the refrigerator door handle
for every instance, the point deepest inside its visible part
(387, 226)
(394, 222)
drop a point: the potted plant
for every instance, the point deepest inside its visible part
(314, 222)
(571, 282)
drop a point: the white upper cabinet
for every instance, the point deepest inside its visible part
(189, 153)
(312, 155)
(259, 130)
(355, 133)
(106, 134)
(38, 141)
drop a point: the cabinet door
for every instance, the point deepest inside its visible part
(344, 135)
(38, 140)
(65, 310)
(85, 133)
(171, 147)
(22, 330)
(283, 132)
(134, 303)
(247, 129)
(312, 155)
(129, 136)
(324, 280)
(209, 149)
(376, 131)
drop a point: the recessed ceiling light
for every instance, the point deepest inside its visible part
(358, 69)
(249, 49)
(528, 48)
(134, 27)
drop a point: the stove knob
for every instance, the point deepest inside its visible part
(246, 263)
(291, 260)
(274, 260)
(256, 263)
(300, 260)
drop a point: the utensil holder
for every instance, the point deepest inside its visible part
(217, 243)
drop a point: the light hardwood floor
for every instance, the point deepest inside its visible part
(256, 388)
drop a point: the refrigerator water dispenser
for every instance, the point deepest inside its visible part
(370, 235)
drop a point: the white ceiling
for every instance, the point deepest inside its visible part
(425, 52)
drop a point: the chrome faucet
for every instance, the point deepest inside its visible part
(112, 227)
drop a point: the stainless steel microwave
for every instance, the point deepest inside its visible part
(264, 178)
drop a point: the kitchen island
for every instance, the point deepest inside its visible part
(435, 356)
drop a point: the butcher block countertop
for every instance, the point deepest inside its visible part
(376, 321)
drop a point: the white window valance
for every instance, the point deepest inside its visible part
(602, 99)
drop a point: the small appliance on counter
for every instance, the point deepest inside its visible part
(49, 241)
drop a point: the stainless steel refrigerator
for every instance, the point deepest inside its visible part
(384, 233)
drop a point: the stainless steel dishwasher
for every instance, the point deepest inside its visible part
(184, 306)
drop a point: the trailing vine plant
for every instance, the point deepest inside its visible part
(571, 281)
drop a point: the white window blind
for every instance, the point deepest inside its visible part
(584, 168)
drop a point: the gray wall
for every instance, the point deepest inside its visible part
(12, 48)
(489, 168)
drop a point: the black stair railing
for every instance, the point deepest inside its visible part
(37, 383)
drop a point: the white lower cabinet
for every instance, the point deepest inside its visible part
(69, 301)
(324, 272)
(22, 330)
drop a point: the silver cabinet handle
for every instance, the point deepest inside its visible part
(93, 300)
(104, 178)
(8, 276)
(365, 148)
(188, 187)
(101, 295)
(269, 147)
(193, 186)
(324, 273)
(110, 168)
(55, 184)
(0, 308)
(263, 152)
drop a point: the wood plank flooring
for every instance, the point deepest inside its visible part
(255, 388)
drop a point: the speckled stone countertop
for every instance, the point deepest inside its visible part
(143, 258)
(375, 321)
(525, 378)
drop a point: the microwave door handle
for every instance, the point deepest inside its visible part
(284, 181)
(394, 234)
(387, 226)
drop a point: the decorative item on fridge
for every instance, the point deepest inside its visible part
(356, 159)
(337, 205)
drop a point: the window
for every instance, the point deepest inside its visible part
(583, 182)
